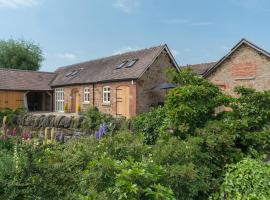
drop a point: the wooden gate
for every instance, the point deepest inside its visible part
(10, 99)
(122, 101)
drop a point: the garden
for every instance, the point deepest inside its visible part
(202, 144)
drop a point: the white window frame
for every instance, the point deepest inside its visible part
(59, 99)
(86, 95)
(106, 95)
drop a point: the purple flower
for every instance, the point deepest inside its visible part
(102, 131)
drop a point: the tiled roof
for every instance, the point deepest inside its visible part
(104, 69)
(201, 68)
(12, 79)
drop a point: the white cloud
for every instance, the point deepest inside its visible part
(127, 6)
(124, 50)
(67, 56)
(202, 23)
(18, 3)
(175, 21)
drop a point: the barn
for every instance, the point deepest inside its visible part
(26, 89)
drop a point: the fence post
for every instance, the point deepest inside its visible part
(52, 134)
(46, 136)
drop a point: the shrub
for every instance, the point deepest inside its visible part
(148, 124)
(127, 179)
(11, 115)
(248, 179)
(192, 104)
(93, 119)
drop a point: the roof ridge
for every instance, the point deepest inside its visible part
(187, 65)
(23, 70)
(111, 56)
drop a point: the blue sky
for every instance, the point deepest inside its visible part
(196, 31)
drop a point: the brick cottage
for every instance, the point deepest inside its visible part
(245, 65)
(124, 84)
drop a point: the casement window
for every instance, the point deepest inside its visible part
(106, 94)
(59, 99)
(86, 95)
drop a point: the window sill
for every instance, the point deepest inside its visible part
(106, 104)
(86, 103)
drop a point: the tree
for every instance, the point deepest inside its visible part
(20, 54)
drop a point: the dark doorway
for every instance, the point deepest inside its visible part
(38, 101)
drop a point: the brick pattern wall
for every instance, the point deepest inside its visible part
(111, 108)
(96, 96)
(245, 67)
(154, 76)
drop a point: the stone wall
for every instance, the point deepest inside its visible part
(154, 76)
(65, 127)
(245, 67)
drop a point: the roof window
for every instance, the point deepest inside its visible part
(122, 64)
(73, 73)
(131, 63)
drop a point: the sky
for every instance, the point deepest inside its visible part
(196, 31)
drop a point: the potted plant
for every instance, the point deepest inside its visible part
(79, 109)
(66, 108)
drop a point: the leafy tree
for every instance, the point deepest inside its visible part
(20, 54)
(193, 103)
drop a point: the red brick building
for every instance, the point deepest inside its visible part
(245, 65)
(123, 84)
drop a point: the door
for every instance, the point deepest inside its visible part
(10, 99)
(59, 99)
(77, 103)
(3, 100)
(75, 100)
(122, 101)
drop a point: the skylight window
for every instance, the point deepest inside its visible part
(69, 73)
(122, 64)
(73, 73)
(132, 62)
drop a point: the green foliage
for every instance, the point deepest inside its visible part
(179, 151)
(11, 115)
(127, 179)
(186, 166)
(248, 179)
(20, 54)
(93, 118)
(192, 104)
(148, 124)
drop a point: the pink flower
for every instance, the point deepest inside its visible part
(14, 132)
(26, 136)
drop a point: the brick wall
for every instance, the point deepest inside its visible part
(111, 108)
(245, 67)
(96, 97)
(154, 76)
